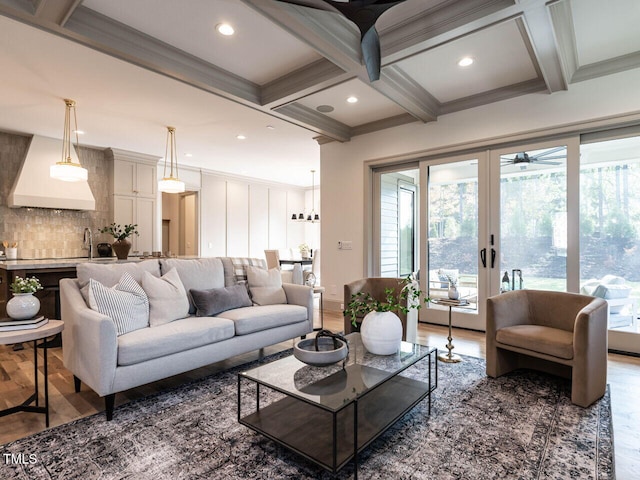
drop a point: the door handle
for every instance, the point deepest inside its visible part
(493, 258)
(483, 257)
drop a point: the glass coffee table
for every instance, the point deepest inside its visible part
(330, 414)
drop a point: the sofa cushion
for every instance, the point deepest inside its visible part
(217, 300)
(257, 318)
(547, 340)
(201, 274)
(170, 338)
(167, 297)
(110, 274)
(126, 303)
(265, 286)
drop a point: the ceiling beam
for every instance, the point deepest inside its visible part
(56, 11)
(309, 79)
(304, 115)
(435, 26)
(396, 85)
(537, 20)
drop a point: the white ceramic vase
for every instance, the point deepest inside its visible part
(381, 333)
(453, 292)
(23, 306)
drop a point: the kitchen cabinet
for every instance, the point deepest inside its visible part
(133, 178)
(135, 196)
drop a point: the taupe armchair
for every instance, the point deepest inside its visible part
(375, 286)
(559, 333)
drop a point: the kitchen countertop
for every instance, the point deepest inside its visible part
(29, 264)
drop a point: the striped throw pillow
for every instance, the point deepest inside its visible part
(126, 303)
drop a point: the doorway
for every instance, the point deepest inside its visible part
(180, 225)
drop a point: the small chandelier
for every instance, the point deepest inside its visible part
(66, 169)
(171, 184)
(313, 217)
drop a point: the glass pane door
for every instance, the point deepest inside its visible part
(610, 234)
(453, 206)
(533, 219)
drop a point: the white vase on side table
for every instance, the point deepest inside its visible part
(381, 333)
(22, 306)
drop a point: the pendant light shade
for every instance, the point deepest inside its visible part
(66, 169)
(171, 183)
(312, 217)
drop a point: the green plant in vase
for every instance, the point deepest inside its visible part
(121, 234)
(381, 328)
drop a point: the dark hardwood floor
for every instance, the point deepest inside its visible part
(16, 384)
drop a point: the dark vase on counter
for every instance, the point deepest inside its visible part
(121, 247)
(104, 249)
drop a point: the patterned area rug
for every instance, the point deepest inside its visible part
(520, 426)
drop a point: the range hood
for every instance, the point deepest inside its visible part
(35, 188)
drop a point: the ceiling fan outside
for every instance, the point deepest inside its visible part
(364, 14)
(544, 158)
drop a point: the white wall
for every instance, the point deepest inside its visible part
(608, 100)
(243, 217)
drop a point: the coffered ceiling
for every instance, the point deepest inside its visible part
(286, 61)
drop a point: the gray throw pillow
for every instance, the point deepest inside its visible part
(217, 300)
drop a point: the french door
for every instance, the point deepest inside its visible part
(454, 230)
(558, 215)
(496, 221)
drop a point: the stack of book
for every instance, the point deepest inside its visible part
(449, 301)
(8, 324)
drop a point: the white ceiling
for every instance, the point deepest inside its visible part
(136, 66)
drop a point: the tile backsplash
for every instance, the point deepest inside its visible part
(45, 232)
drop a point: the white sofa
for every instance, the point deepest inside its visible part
(109, 363)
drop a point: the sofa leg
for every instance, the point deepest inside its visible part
(76, 383)
(109, 402)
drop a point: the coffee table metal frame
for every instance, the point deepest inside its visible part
(52, 327)
(277, 420)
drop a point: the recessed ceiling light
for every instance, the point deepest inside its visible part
(271, 127)
(225, 29)
(324, 108)
(465, 61)
(79, 132)
(352, 99)
(241, 137)
(188, 155)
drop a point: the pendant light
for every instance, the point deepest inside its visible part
(313, 217)
(66, 169)
(171, 183)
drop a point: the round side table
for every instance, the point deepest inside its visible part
(52, 327)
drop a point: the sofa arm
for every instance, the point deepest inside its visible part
(300, 295)
(90, 342)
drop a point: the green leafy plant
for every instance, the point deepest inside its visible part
(120, 233)
(25, 285)
(362, 303)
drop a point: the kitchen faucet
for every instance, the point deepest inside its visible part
(87, 235)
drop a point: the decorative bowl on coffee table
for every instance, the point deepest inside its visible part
(326, 353)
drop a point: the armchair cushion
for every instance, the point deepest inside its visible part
(548, 340)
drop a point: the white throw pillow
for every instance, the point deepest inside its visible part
(167, 297)
(125, 303)
(265, 286)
